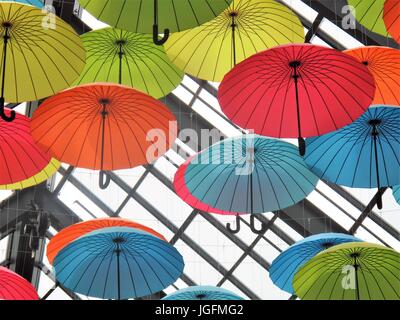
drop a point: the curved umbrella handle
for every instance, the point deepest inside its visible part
(3, 115)
(104, 180)
(229, 228)
(253, 227)
(161, 41)
(302, 146)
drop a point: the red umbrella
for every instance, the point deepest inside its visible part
(391, 16)
(20, 157)
(296, 91)
(104, 127)
(14, 287)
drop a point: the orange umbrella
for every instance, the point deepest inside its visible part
(384, 65)
(73, 232)
(391, 17)
(104, 127)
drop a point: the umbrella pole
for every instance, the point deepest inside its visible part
(118, 271)
(120, 55)
(302, 144)
(233, 26)
(356, 276)
(104, 178)
(6, 37)
(375, 142)
(156, 40)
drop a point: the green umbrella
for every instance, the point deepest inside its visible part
(369, 13)
(350, 271)
(137, 15)
(131, 59)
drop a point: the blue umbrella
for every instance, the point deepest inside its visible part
(203, 293)
(118, 263)
(36, 3)
(364, 154)
(396, 193)
(285, 266)
(249, 174)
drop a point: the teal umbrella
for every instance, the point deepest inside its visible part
(203, 293)
(249, 174)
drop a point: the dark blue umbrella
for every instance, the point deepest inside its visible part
(118, 263)
(364, 154)
(396, 193)
(249, 174)
(202, 293)
(285, 266)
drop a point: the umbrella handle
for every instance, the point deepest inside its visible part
(302, 146)
(253, 226)
(104, 180)
(156, 39)
(5, 117)
(379, 203)
(229, 228)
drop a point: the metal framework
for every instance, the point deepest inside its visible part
(23, 209)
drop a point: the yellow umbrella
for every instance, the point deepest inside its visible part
(248, 26)
(41, 54)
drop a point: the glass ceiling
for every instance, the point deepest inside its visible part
(212, 256)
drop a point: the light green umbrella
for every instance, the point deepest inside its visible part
(369, 13)
(128, 58)
(169, 16)
(350, 271)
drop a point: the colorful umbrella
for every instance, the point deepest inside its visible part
(103, 127)
(296, 91)
(285, 266)
(37, 60)
(248, 26)
(369, 13)
(364, 154)
(391, 17)
(249, 174)
(176, 15)
(350, 271)
(22, 162)
(128, 58)
(202, 293)
(118, 263)
(73, 232)
(36, 3)
(384, 65)
(14, 287)
(396, 193)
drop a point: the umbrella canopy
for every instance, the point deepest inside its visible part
(396, 193)
(118, 263)
(249, 174)
(384, 65)
(73, 232)
(128, 58)
(284, 92)
(104, 127)
(364, 154)
(183, 192)
(169, 16)
(391, 17)
(202, 293)
(246, 27)
(36, 3)
(33, 52)
(350, 271)
(14, 287)
(22, 162)
(285, 266)
(369, 13)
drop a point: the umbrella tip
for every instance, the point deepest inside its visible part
(118, 240)
(233, 14)
(365, 63)
(200, 296)
(6, 24)
(294, 64)
(104, 101)
(374, 122)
